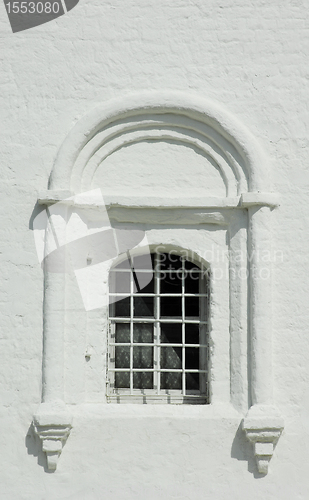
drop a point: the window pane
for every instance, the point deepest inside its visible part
(192, 358)
(144, 262)
(143, 380)
(143, 332)
(120, 282)
(192, 282)
(170, 282)
(171, 357)
(170, 261)
(125, 264)
(171, 333)
(143, 306)
(122, 357)
(122, 380)
(170, 306)
(145, 282)
(192, 334)
(143, 357)
(192, 381)
(122, 332)
(171, 381)
(192, 306)
(122, 308)
(190, 265)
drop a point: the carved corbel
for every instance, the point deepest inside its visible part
(52, 424)
(263, 426)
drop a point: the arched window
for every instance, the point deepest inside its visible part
(158, 341)
(220, 209)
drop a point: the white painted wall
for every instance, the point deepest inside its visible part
(252, 58)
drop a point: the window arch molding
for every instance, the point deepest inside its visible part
(163, 247)
(245, 172)
(195, 119)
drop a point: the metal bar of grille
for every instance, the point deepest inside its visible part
(131, 331)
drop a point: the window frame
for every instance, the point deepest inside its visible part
(159, 394)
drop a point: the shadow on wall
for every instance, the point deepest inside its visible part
(243, 450)
(34, 447)
(36, 211)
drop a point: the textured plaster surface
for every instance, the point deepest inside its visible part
(252, 58)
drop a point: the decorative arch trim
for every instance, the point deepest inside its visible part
(157, 113)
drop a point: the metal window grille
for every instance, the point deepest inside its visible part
(158, 335)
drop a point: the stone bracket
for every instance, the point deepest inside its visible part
(263, 426)
(53, 428)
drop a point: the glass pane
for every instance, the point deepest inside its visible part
(192, 334)
(170, 261)
(171, 333)
(192, 306)
(192, 282)
(122, 357)
(143, 332)
(192, 381)
(192, 358)
(122, 380)
(171, 306)
(125, 264)
(122, 332)
(120, 282)
(190, 265)
(143, 357)
(171, 381)
(145, 261)
(143, 282)
(170, 282)
(143, 273)
(171, 357)
(122, 308)
(143, 380)
(143, 306)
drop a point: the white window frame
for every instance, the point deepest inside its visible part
(157, 394)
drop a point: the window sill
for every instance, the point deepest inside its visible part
(131, 410)
(157, 399)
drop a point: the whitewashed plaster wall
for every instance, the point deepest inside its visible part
(252, 58)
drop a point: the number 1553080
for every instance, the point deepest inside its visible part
(33, 7)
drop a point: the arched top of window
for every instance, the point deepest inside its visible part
(156, 116)
(158, 342)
